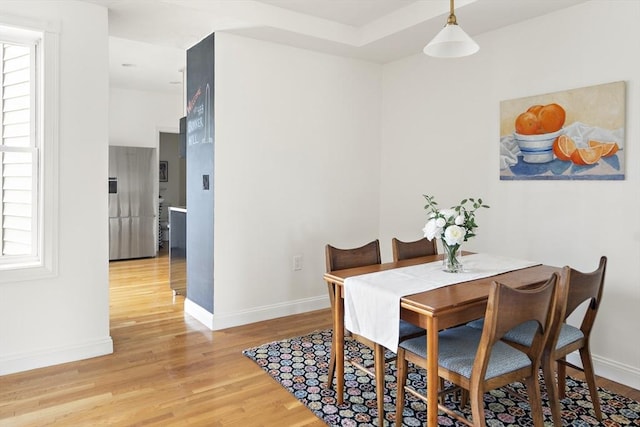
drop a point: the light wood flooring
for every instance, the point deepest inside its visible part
(167, 369)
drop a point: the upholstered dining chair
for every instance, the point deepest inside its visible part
(565, 338)
(340, 259)
(406, 250)
(478, 361)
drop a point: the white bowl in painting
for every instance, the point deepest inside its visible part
(537, 148)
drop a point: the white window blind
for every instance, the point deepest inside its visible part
(19, 151)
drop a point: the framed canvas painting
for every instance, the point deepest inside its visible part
(570, 135)
(164, 171)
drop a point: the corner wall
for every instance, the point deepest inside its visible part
(66, 318)
(297, 166)
(440, 136)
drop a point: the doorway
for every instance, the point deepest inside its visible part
(172, 182)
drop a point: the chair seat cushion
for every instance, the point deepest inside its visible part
(409, 329)
(457, 352)
(523, 334)
(477, 324)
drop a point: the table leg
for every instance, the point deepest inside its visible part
(332, 358)
(338, 342)
(378, 361)
(433, 383)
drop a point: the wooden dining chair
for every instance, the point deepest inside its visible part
(564, 338)
(340, 259)
(406, 250)
(478, 361)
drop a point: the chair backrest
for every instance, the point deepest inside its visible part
(406, 250)
(575, 288)
(339, 259)
(507, 308)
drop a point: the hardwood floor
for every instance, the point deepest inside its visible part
(167, 369)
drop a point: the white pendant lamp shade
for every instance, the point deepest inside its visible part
(451, 41)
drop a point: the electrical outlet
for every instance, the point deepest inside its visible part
(297, 262)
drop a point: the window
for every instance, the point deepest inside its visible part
(19, 151)
(28, 159)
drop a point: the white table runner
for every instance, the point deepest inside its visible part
(372, 301)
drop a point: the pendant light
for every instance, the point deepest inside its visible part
(451, 41)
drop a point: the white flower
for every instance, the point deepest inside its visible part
(432, 230)
(454, 235)
(447, 213)
(454, 225)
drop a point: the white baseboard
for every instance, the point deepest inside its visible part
(197, 312)
(255, 314)
(14, 363)
(611, 370)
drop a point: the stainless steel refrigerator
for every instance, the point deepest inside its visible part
(131, 203)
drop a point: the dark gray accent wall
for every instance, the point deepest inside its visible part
(200, 188)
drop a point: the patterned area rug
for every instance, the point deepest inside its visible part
(300, 365)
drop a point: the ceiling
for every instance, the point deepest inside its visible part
(151, 36)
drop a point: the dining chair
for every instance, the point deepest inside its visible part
(565, 338)
(340, 259)
(478, 361)
(406, 250)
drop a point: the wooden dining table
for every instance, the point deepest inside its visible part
(433, 310)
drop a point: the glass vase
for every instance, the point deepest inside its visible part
(452, 261)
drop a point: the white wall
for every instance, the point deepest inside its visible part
(297, 165)
(136, 117)
(65, 318)
(440, 136)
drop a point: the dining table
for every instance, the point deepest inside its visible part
(462, 299)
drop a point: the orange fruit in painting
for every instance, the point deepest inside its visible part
(527, 124)
(551, 118)
(586, 156)
(535, 109)
(563, 147)
(608, 148)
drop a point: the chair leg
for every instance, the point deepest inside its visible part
(587, 366)
(562, 379)
(535, 401)
(332, 367)
(477, 406)
(552, 389)
(402, 365)
(379, 367)
(464, 398)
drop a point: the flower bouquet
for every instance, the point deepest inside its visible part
(453, 226)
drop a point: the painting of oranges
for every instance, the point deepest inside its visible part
(575, 134)
(540, 119)
(565, 149)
